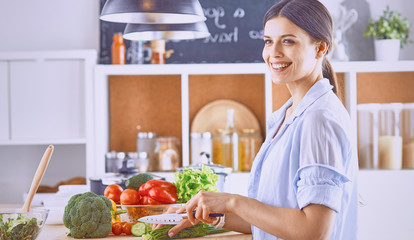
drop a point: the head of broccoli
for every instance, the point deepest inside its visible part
(88, 215)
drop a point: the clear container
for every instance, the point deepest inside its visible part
(146, 143)
(408, 135)
(113, 161)
(250, 142)
(142, 162)
(200, 142)
(225, 144)
(390, 139)
(221, 171)
(368, 133)
(166, 150)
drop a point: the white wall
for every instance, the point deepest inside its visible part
(49, 24)
(74, 24)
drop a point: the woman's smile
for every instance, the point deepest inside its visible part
(279, 67)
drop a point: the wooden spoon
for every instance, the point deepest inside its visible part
(38, 177)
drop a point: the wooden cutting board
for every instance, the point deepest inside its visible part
(214, 116)
(58, 232)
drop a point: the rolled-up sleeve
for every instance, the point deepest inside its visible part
(318, 184)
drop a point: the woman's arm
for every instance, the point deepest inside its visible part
(312, 222)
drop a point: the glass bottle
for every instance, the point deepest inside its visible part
(250, 141)
(225, 144)
(118, 50)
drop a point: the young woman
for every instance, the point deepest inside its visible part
(303, 183)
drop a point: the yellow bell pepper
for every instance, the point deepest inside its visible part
(115, 213)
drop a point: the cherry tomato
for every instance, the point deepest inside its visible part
(130, 197)
(117, 228)
(126, 228)
(146, 200)
(113, 192)
(163, 195)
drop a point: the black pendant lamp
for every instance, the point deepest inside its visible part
(153, 11)
(166, 31)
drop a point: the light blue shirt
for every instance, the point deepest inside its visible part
(311, 160)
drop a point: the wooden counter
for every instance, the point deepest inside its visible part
(58, 232)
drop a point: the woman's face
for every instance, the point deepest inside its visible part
(289, 52)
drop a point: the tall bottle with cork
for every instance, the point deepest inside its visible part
(225, 143)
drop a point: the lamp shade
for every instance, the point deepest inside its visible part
(166, 31)
(152, 11)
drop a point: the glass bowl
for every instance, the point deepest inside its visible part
(22, 225)
(135, 212)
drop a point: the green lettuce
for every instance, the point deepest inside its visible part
(191, 181)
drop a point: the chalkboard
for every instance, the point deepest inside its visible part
(236, 28)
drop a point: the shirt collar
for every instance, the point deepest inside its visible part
(316, 91)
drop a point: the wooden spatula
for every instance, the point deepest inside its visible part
(38, 177)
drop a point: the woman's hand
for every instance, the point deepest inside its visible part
(185, 223)
(205, 203)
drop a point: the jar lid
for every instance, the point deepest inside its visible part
(249, 130)
(146, 135)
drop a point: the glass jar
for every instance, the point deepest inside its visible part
(250, 142)
(200, 142)
(166, 151)
(368, 134)
(390, 140)
(146, 143)
(224, 147)
(408, 135)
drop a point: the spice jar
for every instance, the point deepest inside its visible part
(250, 141)
(166, 150)
(118, 49)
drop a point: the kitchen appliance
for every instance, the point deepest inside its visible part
(99, 183)
(171, 218)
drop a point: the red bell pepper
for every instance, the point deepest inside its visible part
(157, 191)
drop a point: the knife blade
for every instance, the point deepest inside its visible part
(171, 218)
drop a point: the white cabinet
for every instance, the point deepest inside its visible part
(45, 98)
(4, 102)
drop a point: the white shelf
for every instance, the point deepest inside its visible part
(43, 142)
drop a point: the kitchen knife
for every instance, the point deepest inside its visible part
(171, 218)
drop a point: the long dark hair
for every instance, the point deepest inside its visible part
(313, 17)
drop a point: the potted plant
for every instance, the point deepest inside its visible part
(390, 33)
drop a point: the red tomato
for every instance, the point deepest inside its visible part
(145, 200)
(144, 188)
(113, 192)
(126, 228)
(163, 195)
(117, 228)
(129, 197)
